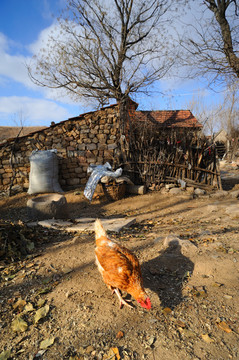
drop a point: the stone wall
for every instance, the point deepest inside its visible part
(91, 138)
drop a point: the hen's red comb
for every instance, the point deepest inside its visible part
(145, 303)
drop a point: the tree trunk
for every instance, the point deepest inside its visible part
(124, 131)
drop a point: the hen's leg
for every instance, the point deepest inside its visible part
(122, 301)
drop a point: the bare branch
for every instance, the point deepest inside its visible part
(214, 42)
(107, 49)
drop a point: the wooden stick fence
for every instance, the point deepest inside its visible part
(155, 156)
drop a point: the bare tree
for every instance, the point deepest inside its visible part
(107, 49)
(215, 117)
(207, 114)
(229, 114)
(212, 46)
(20, 118)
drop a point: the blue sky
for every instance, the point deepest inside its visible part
(22, 24)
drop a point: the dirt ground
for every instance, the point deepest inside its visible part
(54, 304)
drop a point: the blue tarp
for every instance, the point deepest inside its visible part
(97, 172)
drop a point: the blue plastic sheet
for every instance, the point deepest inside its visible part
(97, 172)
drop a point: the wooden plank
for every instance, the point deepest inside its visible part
(197, 184)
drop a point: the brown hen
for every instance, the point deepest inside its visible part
(119, 268)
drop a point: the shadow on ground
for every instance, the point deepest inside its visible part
(166, 274)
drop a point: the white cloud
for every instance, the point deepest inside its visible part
(43, 38)
(13, 67)
(35, 111)
(3, 42)
(49, 105)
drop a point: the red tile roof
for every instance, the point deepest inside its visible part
(169, 118)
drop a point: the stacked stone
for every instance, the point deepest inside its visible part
(92, 138)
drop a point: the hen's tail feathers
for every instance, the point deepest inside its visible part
(99, 230)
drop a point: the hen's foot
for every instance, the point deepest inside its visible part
(122, 301)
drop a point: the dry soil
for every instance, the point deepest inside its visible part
(56, 293)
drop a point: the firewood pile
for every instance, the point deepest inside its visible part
(157, 156)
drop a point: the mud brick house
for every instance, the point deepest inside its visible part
(93, 137)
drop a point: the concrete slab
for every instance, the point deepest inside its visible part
(87, 224)
(85, 220)
(54, 224)
(109, 224)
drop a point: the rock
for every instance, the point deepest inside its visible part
(151, 340)
(175, 191)
(233, 211)
(48, 207)
(219, 194)
(190, 189)
(235, 187)
(183, 246)
(234, 194)
(199, 192)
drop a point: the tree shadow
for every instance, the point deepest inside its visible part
(166, 274)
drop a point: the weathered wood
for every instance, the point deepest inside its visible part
(197, 184)
(174, 165)
(136, 189)
(165, 155)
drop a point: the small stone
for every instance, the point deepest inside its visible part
(175, 191)
(228, 297)
(190, 189)
(151, 340)
(233, 211)
(234, 194)
(185, 246)
(199, 192)
(219, 194)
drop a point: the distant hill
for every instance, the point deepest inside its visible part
(7, 132)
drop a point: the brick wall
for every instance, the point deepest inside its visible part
(80, 141)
